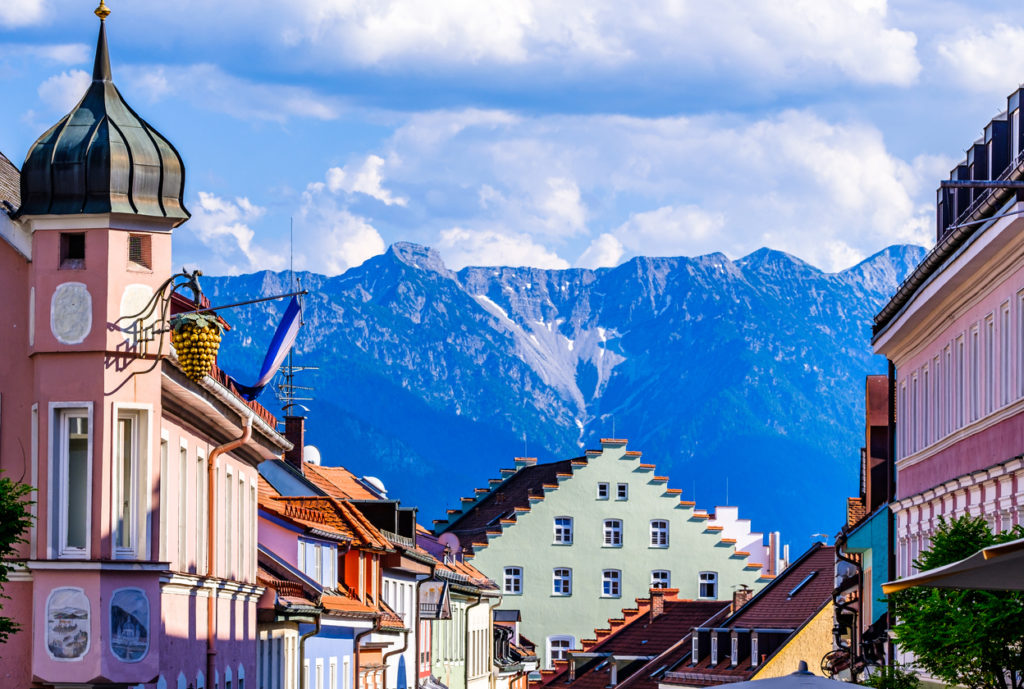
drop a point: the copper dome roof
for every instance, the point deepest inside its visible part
(103, 158)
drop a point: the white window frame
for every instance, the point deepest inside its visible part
(1005, 354)
(165, 462)
(603, 491)
(754, 659)
(182, 504)
(612, 533)
(611, 583)
(659, 533)
(229, 490)
(661, 579)
(563, 532)
(734, 651)
(561, 575)
(622, 491)
(58, 478)
(139, 519)
(332, 681)
(202, 511)
(512, 580)
(707, 578)
(565, 643)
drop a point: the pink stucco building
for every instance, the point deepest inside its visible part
(954, 334)
(141, 566)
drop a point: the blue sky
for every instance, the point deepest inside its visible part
(524, 132)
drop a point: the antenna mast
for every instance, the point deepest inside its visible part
(287, 392)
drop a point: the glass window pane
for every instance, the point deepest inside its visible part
(78, 481)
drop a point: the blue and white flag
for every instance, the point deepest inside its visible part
(282, 343)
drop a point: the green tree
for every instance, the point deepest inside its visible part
(963, 636)
(15, 518)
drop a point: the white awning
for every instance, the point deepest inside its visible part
(996, 568)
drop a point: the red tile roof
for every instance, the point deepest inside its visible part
(638, 634)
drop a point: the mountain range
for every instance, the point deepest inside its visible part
(742, 380)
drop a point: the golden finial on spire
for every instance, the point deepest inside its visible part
(102, 11)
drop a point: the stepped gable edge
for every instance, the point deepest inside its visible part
(491, 509)
(512, 495)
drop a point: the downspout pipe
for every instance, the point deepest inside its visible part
(355, 652)
(211, 541)
(416, 621)
(465, 660)
(302, 652)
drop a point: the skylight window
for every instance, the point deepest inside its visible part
(803, 583)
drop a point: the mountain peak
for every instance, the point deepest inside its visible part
(773, 260)
(419, 257)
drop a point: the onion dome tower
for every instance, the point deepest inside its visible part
(103, 158)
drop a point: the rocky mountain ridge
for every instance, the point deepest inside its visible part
(742, 380)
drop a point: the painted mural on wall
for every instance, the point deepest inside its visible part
(67, 623)
(129, 624)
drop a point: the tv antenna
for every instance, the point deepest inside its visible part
(287, 392)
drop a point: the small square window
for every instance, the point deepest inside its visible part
(140, 252)
(622, 491)
(72, 250)
(602, 491)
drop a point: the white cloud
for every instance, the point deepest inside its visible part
(62, 91)
(329, 237)
(829, 192)
(22, 13)
(366, 179)
(463, 247)
(671, 231)
(223, 226)
(605, 251)
(61, 53)
(745, 41)
(209, 87)
(986, 61)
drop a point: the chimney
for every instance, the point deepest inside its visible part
(658, 597)
(294, 432)
(740, 597)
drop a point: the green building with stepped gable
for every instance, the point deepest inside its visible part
(572, 543)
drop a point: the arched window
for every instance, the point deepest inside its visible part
(659, 533)
(709, 584)
(563, 530)
(513, 580)
(611, 583)
(558, 648)
(613, 533)
(561, 581)
(661, 579)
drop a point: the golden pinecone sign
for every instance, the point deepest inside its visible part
(196, 339)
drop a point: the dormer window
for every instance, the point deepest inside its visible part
(140, 252)
(72, 250)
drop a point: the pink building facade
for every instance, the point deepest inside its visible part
(954, 334)
(140, 568)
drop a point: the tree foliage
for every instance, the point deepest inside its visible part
(892, 677)
(15, 518)
(963, 636)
